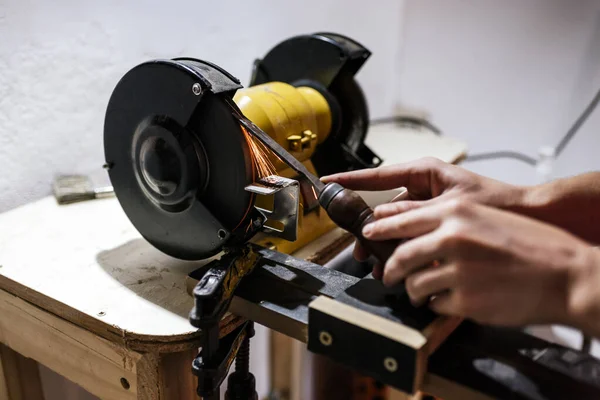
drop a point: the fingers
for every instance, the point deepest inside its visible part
(416, 173)
(436, 279)
(407, 225)
(360, 253)
(411, 256)
(445, 303)
(402, 195)
(383, 178)
(378, 271)
(389, 209)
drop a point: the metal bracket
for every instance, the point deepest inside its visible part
(278, 199)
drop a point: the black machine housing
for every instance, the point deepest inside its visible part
(328, 63)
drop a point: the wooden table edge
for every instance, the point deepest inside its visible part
(112, 333)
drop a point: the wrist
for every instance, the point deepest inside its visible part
(583, 300)
(531, 201)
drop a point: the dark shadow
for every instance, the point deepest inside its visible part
(152, 275)
(371, 295)
(309, 277)
(275, 294)
(292, 276)
(509, 364)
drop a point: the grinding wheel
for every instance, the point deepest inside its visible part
(327, 62)
(178, 160)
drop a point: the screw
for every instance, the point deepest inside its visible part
(125, 383)
(325, 338)
(101, 314)
(197, 89)
(390, 364)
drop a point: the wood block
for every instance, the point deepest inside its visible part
(19, 377)
(395, 338)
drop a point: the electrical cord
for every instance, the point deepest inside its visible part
(577, 124)
(515, 155)
(407, 120)
(557, 150)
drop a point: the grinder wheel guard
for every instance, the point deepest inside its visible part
(179, 160)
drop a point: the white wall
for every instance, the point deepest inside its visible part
(505, 75)
(60, 60)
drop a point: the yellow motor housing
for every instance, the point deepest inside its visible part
(299, 119)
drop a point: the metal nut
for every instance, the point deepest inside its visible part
(325, 338)
(390, 364)
(197, 89)
(307, 138)
(294, 142)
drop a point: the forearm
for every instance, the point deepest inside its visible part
(571, 203)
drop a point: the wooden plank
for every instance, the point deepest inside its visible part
(178, 383)
(281, 362)
(167, 376)
(298, 368)
(3, 381)
(395, 394)
(94, 363)
(21, 376)
(57, 387)
(438, 386)
(371, 322)
(148, 377)
(437, 332)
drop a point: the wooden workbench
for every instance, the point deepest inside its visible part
(82, 293)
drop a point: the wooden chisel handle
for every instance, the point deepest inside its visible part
(348, 210)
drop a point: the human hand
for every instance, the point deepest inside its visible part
(429, 181)
(495, 267)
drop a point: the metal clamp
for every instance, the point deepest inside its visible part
(278, 199)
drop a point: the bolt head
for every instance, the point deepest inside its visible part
(197, 89)
(325, 338)
(390, 364)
